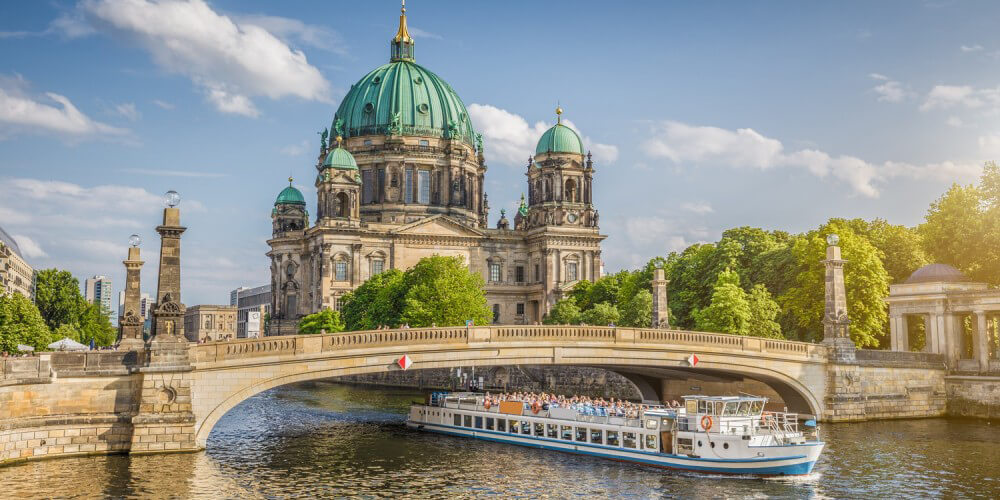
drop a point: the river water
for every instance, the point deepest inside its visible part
(332, 440)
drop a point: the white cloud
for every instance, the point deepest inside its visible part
(889, 90)
(296, 149)
(419, 33)
(698, 207)
(950, 96)
(54, 113)
(989, 145)
(29, 247)
(163, 104)
(294, 30)
(231, 62)
(971, 48)
(954, 121)
(510, 139)
(701, 145)
(128, 111)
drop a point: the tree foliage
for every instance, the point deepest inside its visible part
(601, 314)
(327, 320)
(729, 310)
(21, 323)
(638, 311)
(563, 312)
(57, 295)
(439, 291)
(95, 324)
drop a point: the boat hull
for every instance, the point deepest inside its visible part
(799, 463)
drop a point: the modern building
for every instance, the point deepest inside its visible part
(98, 291)
(252, 307)
(402, 177)
(145, 302)
(16, 276)
(206, 323)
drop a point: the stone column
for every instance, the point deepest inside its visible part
(898, 336)
(980, 341)
(836, 325)
(131, 321)
(168, 346)
(661, 313)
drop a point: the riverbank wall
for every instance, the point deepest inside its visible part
(973, 396)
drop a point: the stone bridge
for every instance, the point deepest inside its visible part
(143, 401)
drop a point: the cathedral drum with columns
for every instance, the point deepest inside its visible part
(400, 177)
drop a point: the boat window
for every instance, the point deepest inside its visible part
(612, 438)
(667, 424)
(650, 441)
(628, 440)
(489, 423)
(744, 409)
(539, 429)
(581, 434)
(514, 428)
(552, 431)
(502, 424)
(650, 423)
(525, 427)
(596, 436)
(731, 408)
(719, 405)
(479, 422)
(458, 419)
(756, 407)
(704, 407)
(691, 405)
(468, 420)
(567, 432)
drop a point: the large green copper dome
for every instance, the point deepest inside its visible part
(408, 98)
(290, 196)
(559, 139)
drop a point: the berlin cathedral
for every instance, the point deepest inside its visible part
(400, 177)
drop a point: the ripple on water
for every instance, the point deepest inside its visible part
(326, 440)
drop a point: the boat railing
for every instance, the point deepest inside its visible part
(780, 424)
(571, 414)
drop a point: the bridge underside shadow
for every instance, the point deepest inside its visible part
(654, 384)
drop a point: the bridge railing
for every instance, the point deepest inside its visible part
(297, 344)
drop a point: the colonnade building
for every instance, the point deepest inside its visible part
(401, 177)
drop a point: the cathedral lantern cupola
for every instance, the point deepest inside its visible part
(338, 188)
(560, 180)
(289, 213)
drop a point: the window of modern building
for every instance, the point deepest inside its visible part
(520, 308)
(571, 274)
(519, 274)
(340, 271)
(378, 265)
(423, 187)
(494, 272)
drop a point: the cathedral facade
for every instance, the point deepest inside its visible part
(400, 177)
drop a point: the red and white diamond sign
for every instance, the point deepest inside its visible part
(692, 360)
(404, 362)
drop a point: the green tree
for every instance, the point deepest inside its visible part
(866, 281)
(901, 247)
(729, 311)
(763, 312)
(95, 324)
(67, 331)
(326, 320)
(563, 312)
(21, 323)
(377, 302)
(57, 295)
(601, 314)
(638, 311)
(442, 291)
(953, 222)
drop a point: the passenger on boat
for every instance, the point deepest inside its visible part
(582, 404)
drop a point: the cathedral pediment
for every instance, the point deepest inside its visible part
(438, 225)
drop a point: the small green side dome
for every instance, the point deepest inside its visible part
(559, 139)
(290, 196)
(340, 158)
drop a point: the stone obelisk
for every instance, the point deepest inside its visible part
(131, 321)
(167, 343)
(661, 313)
(836, 325)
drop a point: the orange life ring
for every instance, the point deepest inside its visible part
(707, 426)
(486, 405)
(536, 407)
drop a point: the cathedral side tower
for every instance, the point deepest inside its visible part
(560, 181)
(338, 189)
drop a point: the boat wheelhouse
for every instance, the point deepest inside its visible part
(715, 434)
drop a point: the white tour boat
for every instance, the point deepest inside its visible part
(714, 434)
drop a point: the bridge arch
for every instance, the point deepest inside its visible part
(225, 374)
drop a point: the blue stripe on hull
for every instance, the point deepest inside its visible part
(797, 469)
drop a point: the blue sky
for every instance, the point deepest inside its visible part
(701, 115)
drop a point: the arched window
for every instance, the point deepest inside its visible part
(496, 313)
(570, 190)
(548, 189)
(343, 205)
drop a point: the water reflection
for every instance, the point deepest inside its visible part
(324, 440)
